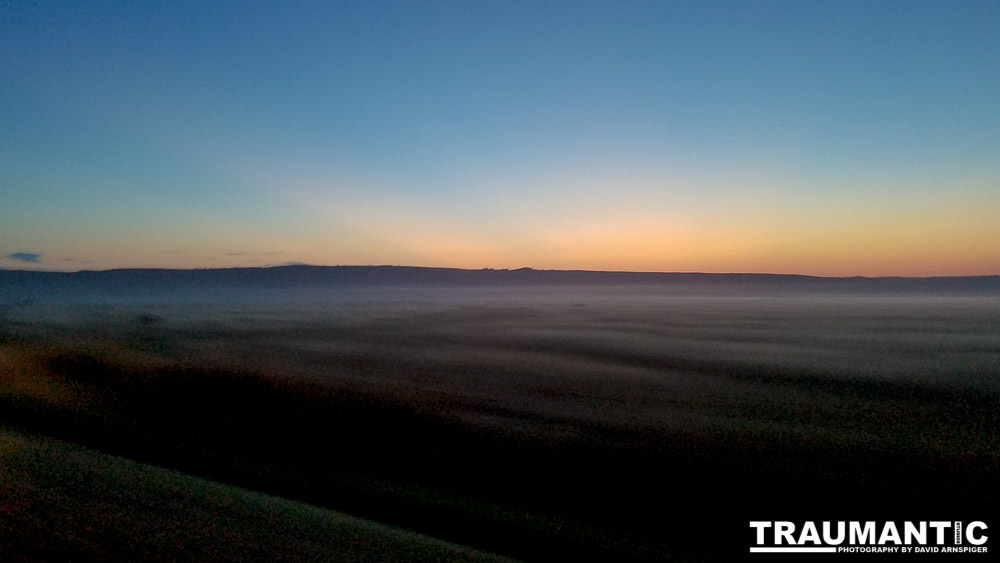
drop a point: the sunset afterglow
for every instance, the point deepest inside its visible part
(828, 139)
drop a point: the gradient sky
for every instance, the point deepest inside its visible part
(829, 138)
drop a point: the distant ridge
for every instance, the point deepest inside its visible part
(21, 284)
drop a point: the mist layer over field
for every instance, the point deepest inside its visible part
(538, 423)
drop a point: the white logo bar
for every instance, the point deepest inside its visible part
(793, 550)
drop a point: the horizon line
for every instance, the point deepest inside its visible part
(491, 269)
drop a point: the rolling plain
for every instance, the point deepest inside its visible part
(538, 419)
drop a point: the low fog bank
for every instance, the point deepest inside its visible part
(320, 282)
(586, 420)
(839, 367)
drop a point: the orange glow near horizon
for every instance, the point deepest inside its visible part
(926, 247)
(656, 224)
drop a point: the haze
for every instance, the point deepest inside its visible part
(540, 415)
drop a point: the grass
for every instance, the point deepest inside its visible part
(542, 430)
(62, 501)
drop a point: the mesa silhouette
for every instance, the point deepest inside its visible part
(230, 283)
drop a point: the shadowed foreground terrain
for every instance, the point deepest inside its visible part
(66, 502)
(539, 423)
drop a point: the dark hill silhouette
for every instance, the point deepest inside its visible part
(20, 285)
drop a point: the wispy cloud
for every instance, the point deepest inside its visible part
(28, 257)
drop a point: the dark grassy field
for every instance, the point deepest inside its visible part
(64, 502)
(542, 425)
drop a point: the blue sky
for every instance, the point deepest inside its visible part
(834, 138)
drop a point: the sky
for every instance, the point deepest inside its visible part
(825, 138)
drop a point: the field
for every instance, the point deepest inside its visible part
(537, 423)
